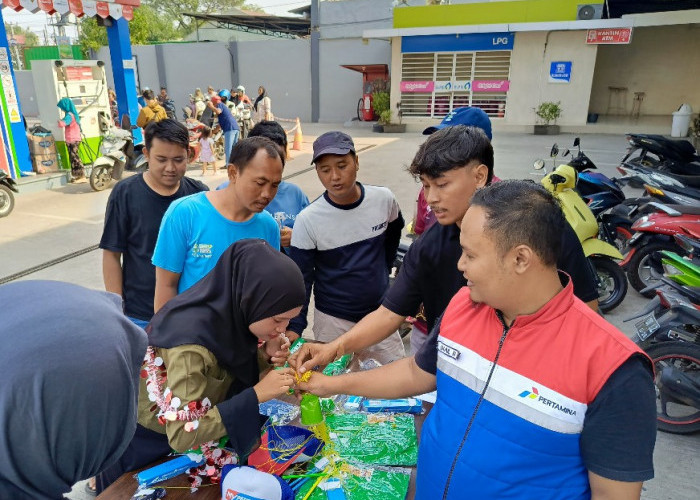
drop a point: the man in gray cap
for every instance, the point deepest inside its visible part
(345, 243)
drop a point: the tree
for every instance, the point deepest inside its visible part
(173, 9)
(30, 38)
(148, 26)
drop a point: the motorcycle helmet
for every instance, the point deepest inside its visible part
(225, 94)
(240, 88)
(215, 100)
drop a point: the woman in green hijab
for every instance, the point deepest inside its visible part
(71, 122)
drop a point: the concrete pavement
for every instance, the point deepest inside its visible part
(53, 235)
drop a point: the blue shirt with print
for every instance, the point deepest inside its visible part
(193, 235)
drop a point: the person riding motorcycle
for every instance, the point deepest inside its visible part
(241, 96)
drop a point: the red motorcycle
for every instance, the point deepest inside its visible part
(653, 233)
(194, 129)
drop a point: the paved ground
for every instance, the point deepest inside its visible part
(55, 233)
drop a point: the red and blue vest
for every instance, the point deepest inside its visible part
(511, 402)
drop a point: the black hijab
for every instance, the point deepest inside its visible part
(260, 98)
(251, 281)
(70, 365)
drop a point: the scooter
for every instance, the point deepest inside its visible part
(7, 198)
(666, 155)
(194, 130)
(612, 284)
(243, 116)
(669, 332)
(653, 233)
(602, 194)
(117, 153)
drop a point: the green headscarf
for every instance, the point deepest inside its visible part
(68, 107)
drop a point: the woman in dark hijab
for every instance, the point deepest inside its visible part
(202, 376)
(70, 362)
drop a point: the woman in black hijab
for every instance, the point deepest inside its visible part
(70, 362)
(201, 370)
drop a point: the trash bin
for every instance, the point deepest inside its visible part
(681, 121)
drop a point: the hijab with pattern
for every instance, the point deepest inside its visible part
(251, 281)
(70, 366)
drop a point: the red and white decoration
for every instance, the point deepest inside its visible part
(116, 9)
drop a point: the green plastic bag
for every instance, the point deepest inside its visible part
(366, 483)
(374, 439)
(338, 366)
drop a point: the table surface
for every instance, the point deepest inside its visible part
(178, 487)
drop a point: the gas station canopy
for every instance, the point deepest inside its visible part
(116, 9)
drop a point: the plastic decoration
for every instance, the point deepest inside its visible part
(376, 439)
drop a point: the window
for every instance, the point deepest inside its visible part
(448, 80)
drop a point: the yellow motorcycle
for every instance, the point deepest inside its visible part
(611, 279)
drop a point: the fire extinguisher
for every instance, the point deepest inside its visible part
(367, 111)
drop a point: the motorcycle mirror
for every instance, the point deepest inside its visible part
(577, 142)
(539, 165)
(555, 151)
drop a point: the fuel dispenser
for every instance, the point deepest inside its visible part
(85, 83)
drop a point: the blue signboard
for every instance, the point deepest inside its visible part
(458, 42)
(560, 72)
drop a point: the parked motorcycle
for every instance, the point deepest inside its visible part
(602, 194)
(653, 233)
(7, 198)
(612, 283)
(669, 332)
(194, 130)
(666, 155)
(117, 153)
(244, 118)
(219, 144)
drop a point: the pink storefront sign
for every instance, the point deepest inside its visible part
(425, 86)
(490, 85)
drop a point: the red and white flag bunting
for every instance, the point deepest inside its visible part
(115, 9)
(30, 5)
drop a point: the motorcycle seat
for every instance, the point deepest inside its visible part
(680, 148)
(685, 209)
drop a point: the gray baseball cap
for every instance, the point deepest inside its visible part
(334, 143)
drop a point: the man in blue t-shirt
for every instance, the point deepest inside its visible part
(228, 123)
(290, 199)
(196, 230)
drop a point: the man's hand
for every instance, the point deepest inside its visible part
(319, 384)
(314, 354)
(285, 236)
(274, 384)
(278, 350)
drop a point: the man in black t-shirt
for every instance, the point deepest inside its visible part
(452, 164)
(134, 212)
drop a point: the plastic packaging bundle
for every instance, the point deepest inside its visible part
(338, 366)
(280, 412)
(366, 483)
(376, 439)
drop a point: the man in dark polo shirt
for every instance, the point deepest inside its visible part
(452, 164)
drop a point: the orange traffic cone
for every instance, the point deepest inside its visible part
(298, 137)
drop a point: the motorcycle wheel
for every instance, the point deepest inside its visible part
(676, 417)
(612, 283)
(639, 268)
(100, 178)
(7, 201)
(360, 105)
